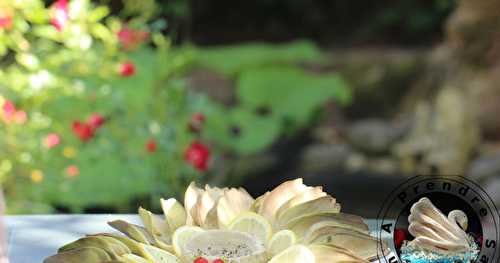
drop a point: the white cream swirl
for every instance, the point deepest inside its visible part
(436, 232)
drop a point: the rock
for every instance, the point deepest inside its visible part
(472, 30)
(443, 138)
(376, 136)
(324, 157)
(485, 167)
(492, 187)
(378, 78)
(386, 165)
(486, 96)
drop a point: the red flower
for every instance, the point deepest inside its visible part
(200, 260)
(127, 69)
(399, 237)
(5, 21)
(198, 155)
(196, 122)
(52, 140)
(130, 38)
(72, 171)
(60, 14)
(218, 261)
(83, 130)
(151, 146)
(95, 120)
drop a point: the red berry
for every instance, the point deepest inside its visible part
(83, 130)
(95, 120)
(60, 15)
(151, 146)
(198, 155)
(200, 260)
(127, 69)
(218, 261)
(399, 237)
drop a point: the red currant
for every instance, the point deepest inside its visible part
(200, 260)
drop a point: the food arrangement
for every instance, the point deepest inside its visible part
(292, 223)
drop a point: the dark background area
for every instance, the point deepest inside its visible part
(328, 22)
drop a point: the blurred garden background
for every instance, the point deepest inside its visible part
(110, 104)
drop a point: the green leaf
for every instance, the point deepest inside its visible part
(290, 92)
(242, 130)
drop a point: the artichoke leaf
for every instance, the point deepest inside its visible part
(133, 245)
(302, 224)
(79, 255)
(333, 254)
(326, 204)
(137, 233)
(175, 214)
(360, 243)
(112, 246)
(311, 193)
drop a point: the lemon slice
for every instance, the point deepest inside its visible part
(253, 224)
(158, 255)
(182, 235)
(232, 246)
(280, 241)
(294, 254)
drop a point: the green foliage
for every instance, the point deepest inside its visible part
(289, 92)
(275, 96)
(57, 74)
(61, 76)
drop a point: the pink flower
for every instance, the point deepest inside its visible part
(5, 21)
(52, 140)
(60, 15)
(10, 113)
(95, 120)
(127, 69)
(72, 171)
(20, 117)
(9, 109)
(130, 39)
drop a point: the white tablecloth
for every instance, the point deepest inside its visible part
(33, 238)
